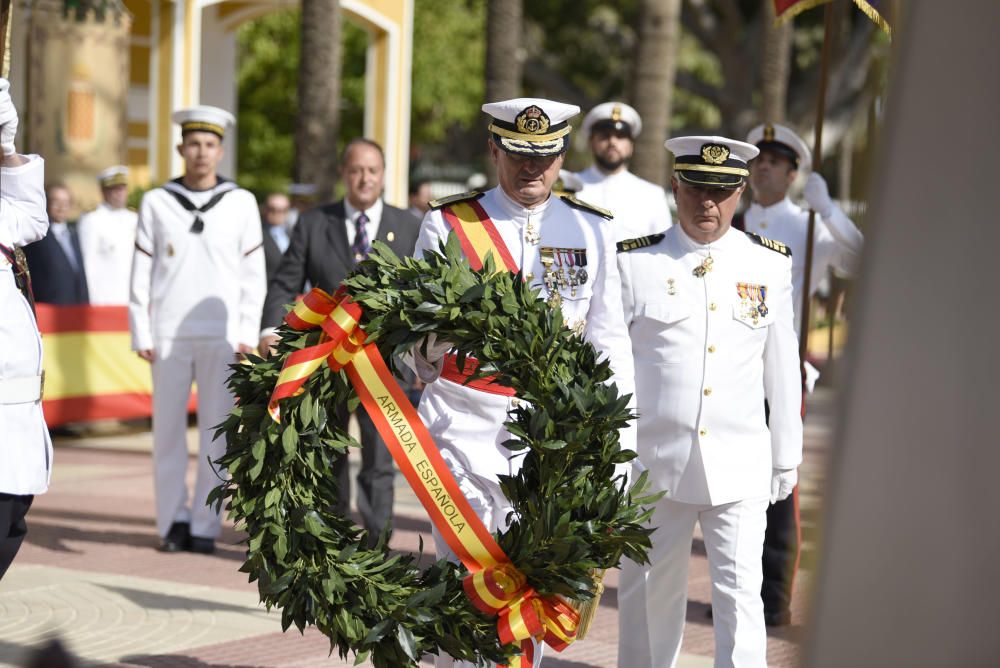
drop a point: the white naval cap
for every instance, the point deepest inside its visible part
(709, 160)
(531, 125)
(113, 176)
(204, 118)
(613, 115)
(303, 189)
(774, 137)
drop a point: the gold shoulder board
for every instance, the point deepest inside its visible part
(580, 204)
(452, 199)
(639, 242)
(776, 246)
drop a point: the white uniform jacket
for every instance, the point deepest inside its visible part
(107, 242)
(708, 351)
(837, 243)
(467, 424)
(188, 285)
(640, 207)
(26, 455)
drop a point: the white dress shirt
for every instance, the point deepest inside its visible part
(374, 213)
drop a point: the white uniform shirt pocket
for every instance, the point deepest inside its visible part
(666, 326)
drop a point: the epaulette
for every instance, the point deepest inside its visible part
(776, 246)
(580, 204)
(639, 242)
(451, 199)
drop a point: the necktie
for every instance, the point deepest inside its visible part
(361, 246)
(66, 243)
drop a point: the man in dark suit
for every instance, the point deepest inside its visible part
(274, 219)
(55, 260)
(327, 242)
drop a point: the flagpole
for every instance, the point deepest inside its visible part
(6, 9)
(817, 162)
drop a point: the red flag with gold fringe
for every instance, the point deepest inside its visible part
(785, 10)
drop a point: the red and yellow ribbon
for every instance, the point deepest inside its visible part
(494, 585)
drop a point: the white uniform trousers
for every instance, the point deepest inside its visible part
(176, 364)
(492, 507)
(652, 599)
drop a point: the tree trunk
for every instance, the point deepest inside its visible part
(658, 35)
(504, 56)
(319, 96)
(774, 66)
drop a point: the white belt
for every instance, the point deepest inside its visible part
(24, 390)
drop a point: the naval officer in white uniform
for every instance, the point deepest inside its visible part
(26, 455)
(528, 138)
(107, 240)
(837, 242)
(197, 294)
(639, 207)
(709, 311)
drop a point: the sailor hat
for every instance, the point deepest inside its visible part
(531, 126)
(780, 139)
(203, 118)
(113, 176)
(303, 189)
(614, 116)
(716, 162)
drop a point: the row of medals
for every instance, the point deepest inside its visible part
(564, 268)
(752, 309)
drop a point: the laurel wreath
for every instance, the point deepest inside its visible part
(570, 515)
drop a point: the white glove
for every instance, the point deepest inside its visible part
(783, 481)
(428, 367)
(818, 195)
(8, 119)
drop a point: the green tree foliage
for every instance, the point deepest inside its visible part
(448, 57)
(267, 78)
(448, 63)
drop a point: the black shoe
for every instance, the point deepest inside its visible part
(178, 538)
(782, 618)
(202, 545)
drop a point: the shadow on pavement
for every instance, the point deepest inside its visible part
(150, 600)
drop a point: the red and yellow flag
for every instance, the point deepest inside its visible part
(494, 585)
(786, 10)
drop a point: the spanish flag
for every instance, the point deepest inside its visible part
(91, 372)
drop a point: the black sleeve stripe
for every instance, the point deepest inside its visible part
(257, 247)
(142, 250)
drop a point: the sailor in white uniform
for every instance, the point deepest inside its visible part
(107, 240)
(837, 242)
(26, 460)
(566, 248)
(639, 207)
(197, 293)
(709, 311)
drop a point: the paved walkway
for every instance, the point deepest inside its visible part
(89, 574)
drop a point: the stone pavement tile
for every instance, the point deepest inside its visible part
(102, 617)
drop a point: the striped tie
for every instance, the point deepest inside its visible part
(361, 246)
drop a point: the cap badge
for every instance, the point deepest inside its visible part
(768, 132)
(532, 121)
(616, 113)
(714, 154)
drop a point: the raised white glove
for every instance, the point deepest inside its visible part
(428, 357)
(8, 119)
(818, 195)
(782, 483)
